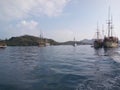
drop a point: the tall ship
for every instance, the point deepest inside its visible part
(42, 41)
(110, 41)
(98, 42)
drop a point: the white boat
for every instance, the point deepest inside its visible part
(74, 43)
(3, 46)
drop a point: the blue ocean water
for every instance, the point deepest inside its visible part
(59, 68)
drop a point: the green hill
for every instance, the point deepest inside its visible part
(28, 40)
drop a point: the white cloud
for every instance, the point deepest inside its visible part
(12, 9)
(52, 7)
(27, 24)
(23, 28)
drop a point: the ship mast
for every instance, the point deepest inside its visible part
(41, 37)
(74, 44)
(103, 31)
(98, 33)
(74, 41)
(110, 27)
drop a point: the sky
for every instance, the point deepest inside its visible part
(61, 20)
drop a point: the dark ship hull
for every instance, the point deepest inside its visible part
(98, 43)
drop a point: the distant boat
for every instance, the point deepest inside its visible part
(3, 45)
(47, 42)
(42, 41)
(74, 43)
(98, 42)
(110, 41)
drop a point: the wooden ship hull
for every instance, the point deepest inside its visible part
(42, 44)
(3, 47)
(111, 42)
(110, 45)
(2, 44)
(98, 44)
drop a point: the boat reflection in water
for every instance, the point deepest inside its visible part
(111, 53)
(99, 51)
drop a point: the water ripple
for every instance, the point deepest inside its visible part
(59, 68)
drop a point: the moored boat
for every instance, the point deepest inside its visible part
(42, 42)
(3, 45)
(98, 42)
(74, 43)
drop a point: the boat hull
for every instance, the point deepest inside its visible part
(110, 44)
(98, 44)
(3, 47)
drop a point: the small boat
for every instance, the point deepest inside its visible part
(3, 46)
(42, 42)
(74, 43)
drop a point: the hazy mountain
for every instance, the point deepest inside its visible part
(87, 41)
(82, 42)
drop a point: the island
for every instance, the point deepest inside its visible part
(28, 40)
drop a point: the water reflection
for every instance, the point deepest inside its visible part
(110, 51)
(113, 53)
(107, 51)
(98, 52)
(106, 72)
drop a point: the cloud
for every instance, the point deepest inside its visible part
(52, 7)
(32, 27)
(17, 9)
(22, 28)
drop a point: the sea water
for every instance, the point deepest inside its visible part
(59, 68)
